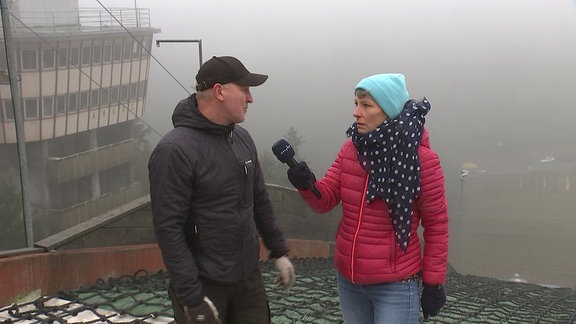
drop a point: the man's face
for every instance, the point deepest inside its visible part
(236, 100)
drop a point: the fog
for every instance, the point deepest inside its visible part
(500, 74)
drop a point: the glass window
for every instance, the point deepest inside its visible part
(145, 45)
(114, 94)
(124, 92)
(133, 90)
(94, 97)
(3, 59)
(86, 55)
(31, 108)
(29, 59)
(104, 93)
(60, 104)
(117, 52)
(48, 58)
(107, 53)
(96, 54)
(48, 106)
(8, 109)
(74, 55)
(83, 100)
(72, 101)
(62, 57)
(141, 88)
(127, 50)
(136, 49)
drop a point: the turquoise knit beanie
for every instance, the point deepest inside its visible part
(388, 90)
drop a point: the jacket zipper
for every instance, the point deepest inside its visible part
(239, 211)
(360, 213)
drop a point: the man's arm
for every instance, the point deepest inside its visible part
(171, 192)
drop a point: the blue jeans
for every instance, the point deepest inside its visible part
(387, 303)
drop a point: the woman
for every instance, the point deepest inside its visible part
(389, 181)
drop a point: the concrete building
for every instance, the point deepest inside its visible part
(83, 75)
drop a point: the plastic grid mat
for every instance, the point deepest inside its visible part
(142, 298)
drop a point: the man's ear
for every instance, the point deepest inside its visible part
(217, 91)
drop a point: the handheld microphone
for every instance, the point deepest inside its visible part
(285, 153)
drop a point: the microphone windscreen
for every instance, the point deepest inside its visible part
(283, 151)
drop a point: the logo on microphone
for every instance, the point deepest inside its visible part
(286, 149)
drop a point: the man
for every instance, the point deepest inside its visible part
(209, 203)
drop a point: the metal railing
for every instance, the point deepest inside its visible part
(85, 19)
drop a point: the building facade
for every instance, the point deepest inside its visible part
(83, 75)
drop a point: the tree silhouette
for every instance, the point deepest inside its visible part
(294, 139)
(141, 132)
(274, 171)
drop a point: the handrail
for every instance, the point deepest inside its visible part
(85, 19)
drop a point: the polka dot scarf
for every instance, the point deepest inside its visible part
(389, 154)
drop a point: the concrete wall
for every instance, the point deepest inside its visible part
(123, 243)
(295, 218)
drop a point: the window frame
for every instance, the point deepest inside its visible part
(25, 60)
(74, 56)
(94, 98)
(72, 104)
(83, 100)
(124, 88)
(63, 57)
(117, 52)
(104, 96)
(28, 109)
(60, 109)
(97, 54)
(115, 94)
(48, 101)
(128, 48)
(86, 55)
(8, 112)
(47, 63)
(107, 50)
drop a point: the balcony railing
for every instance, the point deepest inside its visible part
(60, 220)
(82, 164)
(88, 20)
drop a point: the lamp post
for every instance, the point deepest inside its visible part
(463, 174)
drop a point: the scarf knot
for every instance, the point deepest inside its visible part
(389, 154)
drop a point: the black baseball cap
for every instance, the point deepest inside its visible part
(226, 69)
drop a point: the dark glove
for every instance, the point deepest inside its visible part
(300, 176)
(205, 313)
(433, 298)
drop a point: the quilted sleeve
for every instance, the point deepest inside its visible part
(433, 210)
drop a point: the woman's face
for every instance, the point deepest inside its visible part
(368, 114)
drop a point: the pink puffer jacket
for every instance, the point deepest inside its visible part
(366, 249)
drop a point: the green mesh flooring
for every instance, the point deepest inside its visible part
(313, 299)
